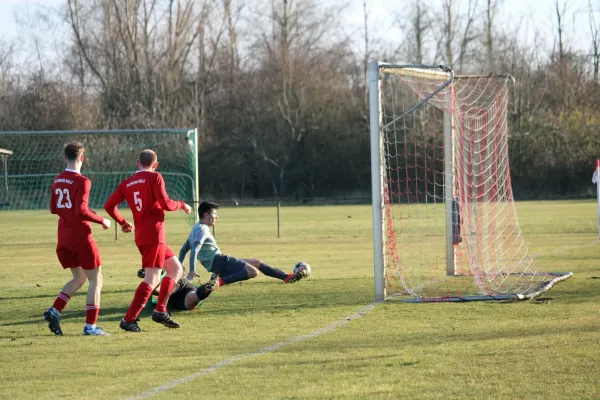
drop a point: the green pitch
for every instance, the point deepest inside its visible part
(410, 351)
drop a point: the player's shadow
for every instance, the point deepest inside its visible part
(53, 295)
(106, 314)
(39, 296)
(246, 303)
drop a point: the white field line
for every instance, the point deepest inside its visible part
(240, 357)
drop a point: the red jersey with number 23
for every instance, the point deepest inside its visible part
(69, 200)
(148, 200)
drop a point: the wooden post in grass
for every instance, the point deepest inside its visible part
(278, 223)
(596, 180)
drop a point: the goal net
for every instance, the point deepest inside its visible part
(110, 156)
(444, 219)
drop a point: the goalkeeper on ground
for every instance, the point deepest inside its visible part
(203, 247)
(183, 297)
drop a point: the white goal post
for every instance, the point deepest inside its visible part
(4, 154)
(444, 221)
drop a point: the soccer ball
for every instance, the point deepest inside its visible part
(302, 268)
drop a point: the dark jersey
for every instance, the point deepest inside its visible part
(182, 288)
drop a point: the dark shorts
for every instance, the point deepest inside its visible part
(84, 255)
(177, 299)
(226, 265)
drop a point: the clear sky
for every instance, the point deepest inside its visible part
(21, 18)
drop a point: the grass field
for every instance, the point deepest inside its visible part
(262, 339)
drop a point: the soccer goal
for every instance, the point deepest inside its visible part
(110, 156)
(444, 221)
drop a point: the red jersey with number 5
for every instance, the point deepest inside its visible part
(148, 200)
(69, 200)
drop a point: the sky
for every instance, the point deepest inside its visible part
(21, 17)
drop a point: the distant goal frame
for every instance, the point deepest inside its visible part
(4, 154)
(189, 139)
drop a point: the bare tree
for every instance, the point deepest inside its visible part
(366, 49)
(560, 11)
(293, 52)
(418, 28)
(140, 53)
(458, 31)
(489, 34)
(595, 32)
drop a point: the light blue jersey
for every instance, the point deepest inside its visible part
(203, 247)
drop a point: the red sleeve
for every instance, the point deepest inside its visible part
(52, 201)
(158, 188)
(81, 204)
(111, 205)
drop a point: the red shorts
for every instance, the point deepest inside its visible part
(154, 255)
(84, 255)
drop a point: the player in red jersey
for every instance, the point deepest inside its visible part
(148, 200)
(76, 249)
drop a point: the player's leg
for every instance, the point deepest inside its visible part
(274, 272)
(68, 260)
(171, 264)
(144, 289)
(269, 271)
(192, 300)
(174, 271)
(151, 301)
(231, 269)
(91, 265)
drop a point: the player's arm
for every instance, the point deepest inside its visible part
(184, 250)
(52, 201)
(197, 242)
(160, 192)
(81, 205)
(111, 208)
(194, 256)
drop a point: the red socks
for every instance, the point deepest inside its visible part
(166, 287)
(91, 313)
(61, 301)
(142, 294)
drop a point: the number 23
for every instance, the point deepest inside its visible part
(137, 201)
(63, 194)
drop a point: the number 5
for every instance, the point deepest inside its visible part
(137, 201)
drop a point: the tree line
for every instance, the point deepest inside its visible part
(278, 90)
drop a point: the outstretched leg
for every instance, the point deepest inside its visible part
(267, 269)
(272, 271)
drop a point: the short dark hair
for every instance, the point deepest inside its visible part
(73, 150)
(147, 158)
(206, 206)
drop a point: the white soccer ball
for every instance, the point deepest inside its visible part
(302, 268)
